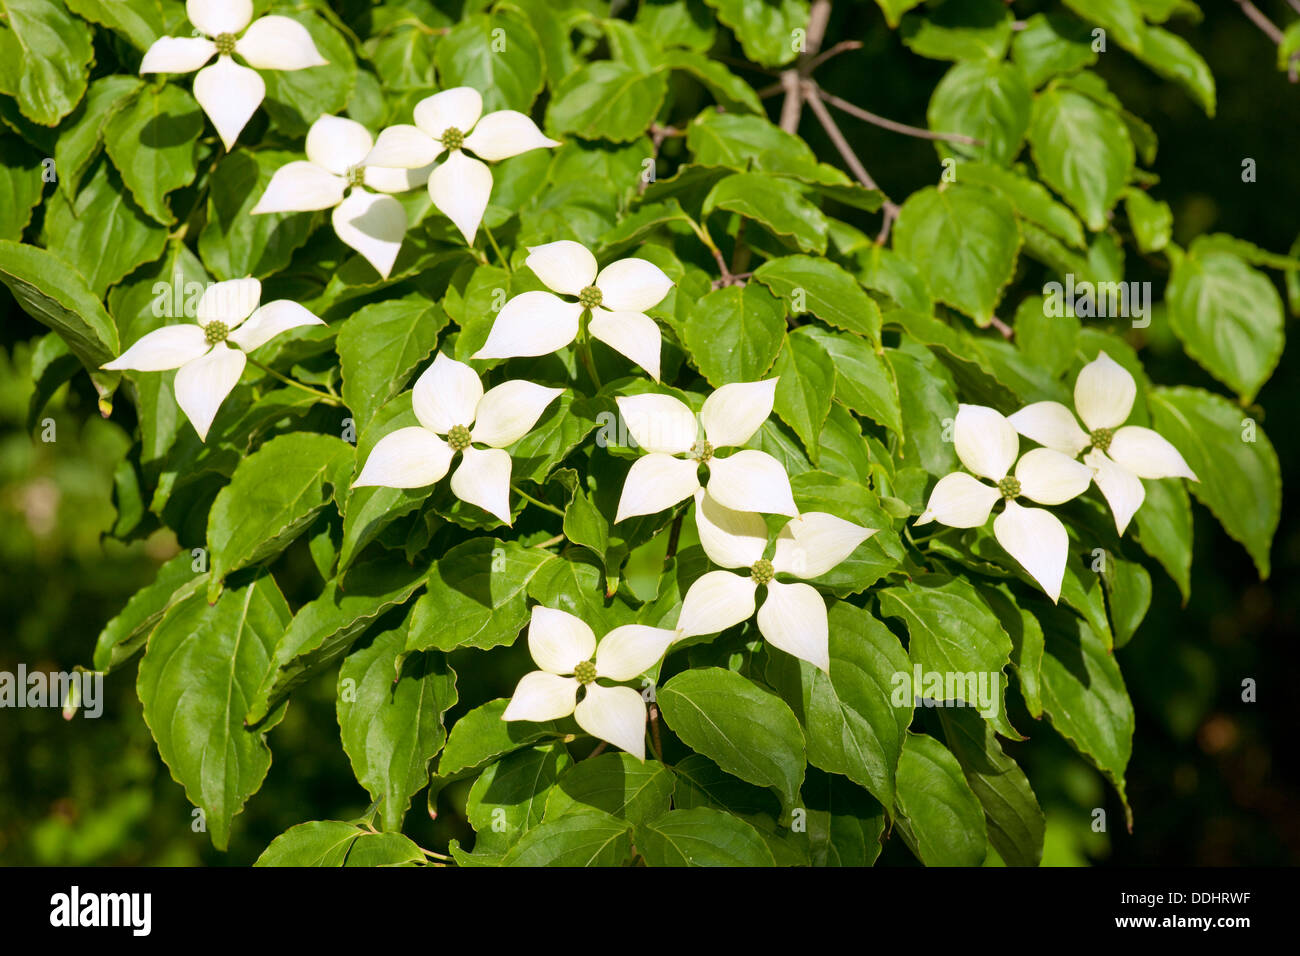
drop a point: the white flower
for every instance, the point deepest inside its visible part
(746, 480)
(1119, 457)
(459, 186)
(448, 398)
(538, 323)
(987, 445)
(373, 225)
(793, 616)
(208, 368)
(563, 645)
(230, 93)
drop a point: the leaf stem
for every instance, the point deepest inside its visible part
(531, 500)
(325, 397)
(588, 361)
(505, 264)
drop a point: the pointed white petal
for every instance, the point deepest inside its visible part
(1147, 454)
(505, 133)
(564, 266)
(632, 285)
(230, 94)
(269, 321)
(169, 347)
(813, 543)
(658, 422)
(656, 482)
(731, 539)
(337, 143)
(1104, 393)
(751, 481)
(301, 187)
(532, 323)
(460, 188)
(1052, 425)
(633, 334)
(483, 479)
(733, 413)
(446, 394)
(177, 55)
(1050, 477)
(793, 618)
(960, 501)
(385, 179)
(1037, 539)
(230, 302)
(278, 43)
(509, 411)
(457, 108)
(373, 225)
(407, 458)
(214, 17)
(203, 384)
(1121, 488)
(616, 715)
(403, 147)
(541, 696)
(985, 441)
(716, 601)
(558, 640)
(631, 650)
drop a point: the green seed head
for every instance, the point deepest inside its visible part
(762, 572)
(1101, 438)
(590, 297)
(225, 43)
(215, 332)
(1009, 487)
(453, 138)
(458, 438)
(702, 451)
(585, 672)
(356, 175)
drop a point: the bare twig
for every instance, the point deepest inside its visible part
(654, 732)
(1006, 330)
(894, 125)
(842, 47)
(791, 79)
(841, 144)
(1260, 20)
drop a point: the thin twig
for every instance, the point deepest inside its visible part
(842, 47)
(599, 749)
(891, 213)
(792, 78)
(894, 125)
(833, 131)
(531, 500)
(1260, 20)
(1006, 330)
(321, 396)
(654, 732)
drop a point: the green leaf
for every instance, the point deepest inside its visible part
(333, 843)
(685, 23)
(864, 381)
(379, 347)
(82, 133)
(1172, 57)
(1151, 220)
(1240, 478)
(701, 837)
(510, 796)
(45, 55)
(506, 66)
(776, 204)
(827, 291)
(844, 823)
(234, 243)
(932, 401)
(21, 185)
(127, 632)
(563, 426)
(985, 99)
(939, 817)
(743, 142)
(734, 333)
(872, 559)
(616, 783)
(1051, 44)
(606, 100)
(731, 92)
(1164, 530)
(749, 732)
(152, 142)
(573, 582)
(481, 736)
(297, 98)
(765, 28)
(1029, 199)
(197, 676)
(968, 30)
(804, 388)
(587, 838)
(140, 23)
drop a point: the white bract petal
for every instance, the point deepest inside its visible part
(1104, 393)
(203, 384)
(960, 501)
(616, 715)
(406, 458)
(301, 186)
(1147, 454)
(337, 143)
(793, 618)
(230, 94)
(658, 423)
(541, 696)
(733, 413)
(483, 479)
(373, 225)
(1121, 488)
(731, 539)
(631, 650)
(458, 108)
(632, 334)
(632, 285)
(388, 180)
(532, 323)
(1050, 477)
(656, 482)
(751, 481)
(558, 640)
(228, 302)
(1037, 539)
(460, 188)
(215, 17)
(506, 133)
(169, 347)
(509, 411)
(815, 542)
(716, 601)
(403, 147)
(985, 441)
(177, 55)
(279, 43)
(269, 321)
(1052, 425)
(446, 394)
(564, 266)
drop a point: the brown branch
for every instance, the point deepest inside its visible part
(1006, 330)
(842, 47)
(1260, 20)
(894, 125)
(791, 79)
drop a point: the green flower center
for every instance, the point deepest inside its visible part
(215, 332)
(590, 297)
(585, 672)
(356, 175)
(458, 438)
(1009, 487)
(1101, 438)
(762, 572)
(225, 43)
(453, 138)
(702, 451)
